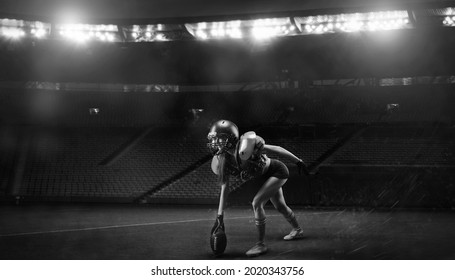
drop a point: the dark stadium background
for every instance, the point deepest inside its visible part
(126, 123)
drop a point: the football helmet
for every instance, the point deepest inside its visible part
(223, 135)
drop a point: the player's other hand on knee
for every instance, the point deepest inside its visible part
(302, 168)
(219, 224)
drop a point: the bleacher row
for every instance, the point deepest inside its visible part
(81, 164)
(358, 105)
(372, 148)
(398, 152)
(84, 164)
(51, 148)
(201, 184)
(401, 146)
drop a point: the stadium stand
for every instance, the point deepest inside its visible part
(371, 105)
(64, 163)
(69, 164)
(349, 136)
(420, 146)
(200, 185)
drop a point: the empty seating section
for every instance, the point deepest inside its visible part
(372, 105)
(71, 163)
(72, 154)
(97, 163)
(65, 163)
(201, 184)
(393, 152)
(415, 146)
(308, 149)
(162, 159)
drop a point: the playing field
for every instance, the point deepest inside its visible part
(143, 232)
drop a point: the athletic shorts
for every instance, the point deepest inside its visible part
(277, 169)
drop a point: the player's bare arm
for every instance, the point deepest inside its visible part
(301, 166)
(281, 152)
(224, 192)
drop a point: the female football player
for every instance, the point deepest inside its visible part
(246, 158)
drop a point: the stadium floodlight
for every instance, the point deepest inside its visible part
(154, 32)
(449, 17)
(86, 32)
(40, 29)
(353, 22)
(263, 28)
(12, 32)
(15, 29)
(449, 21)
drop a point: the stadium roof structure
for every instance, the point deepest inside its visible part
(170, 10)
(423, 32)
(158, 20)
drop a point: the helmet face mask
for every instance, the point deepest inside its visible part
(218, 144)
(223, 136)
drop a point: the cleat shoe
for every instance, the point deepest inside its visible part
(294, 234)
(257, 250)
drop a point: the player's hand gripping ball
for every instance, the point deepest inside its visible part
(218, 240)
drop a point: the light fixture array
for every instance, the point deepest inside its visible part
(354, 22)
(258, 28)
(237, 29)
(155, 32)
(449, 17)
(88, 32)
(16, 29)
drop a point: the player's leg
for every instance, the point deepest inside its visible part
(281, 206)
(268, 189)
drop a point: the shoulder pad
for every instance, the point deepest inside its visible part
(247, 145)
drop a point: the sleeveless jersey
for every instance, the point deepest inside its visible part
(250, 168)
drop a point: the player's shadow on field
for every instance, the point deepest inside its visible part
(275, 248)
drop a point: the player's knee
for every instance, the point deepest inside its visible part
(257, 204)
